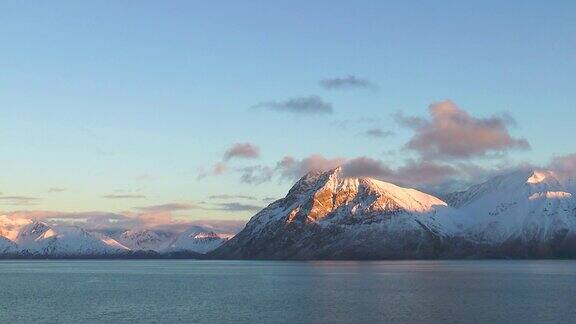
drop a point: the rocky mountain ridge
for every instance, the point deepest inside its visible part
(524, 214)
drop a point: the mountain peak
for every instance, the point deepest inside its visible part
(323, 209)
(335, 190)
(33, 231)
(530, 177)
(509, 186)
(198, 239)
(542, 176)
(326, 196)
(315, 178)
(141, 239)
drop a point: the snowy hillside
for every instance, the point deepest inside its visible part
(38, 238)
(143, 240)
(527, 212)
(195, 239)
(23, 237)
(327, 216)
(198, 239)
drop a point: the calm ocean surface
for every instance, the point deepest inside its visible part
(295, 292)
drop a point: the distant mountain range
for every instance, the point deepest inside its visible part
(325, 215)
(35, 239)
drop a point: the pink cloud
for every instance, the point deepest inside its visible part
(366, 167)
(242, 150)
(453, 133)
(292, 168)
(564, 166)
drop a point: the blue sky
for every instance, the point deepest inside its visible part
(136, 98)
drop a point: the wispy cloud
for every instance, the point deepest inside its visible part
(564, 165)
(446, 143)
(298, 105)
(347, 82)
(256, 174)
(290, 167)
(238, 207)
(167, 207)
(423, 174)
(236, 151)
(123, 196)
(18, 200)
(345, 123)
(242, 150)
(105, 221)
(56, 190)
(217, 169)
(378, 133)
(366, 167)
(227, 197)
(144, 177)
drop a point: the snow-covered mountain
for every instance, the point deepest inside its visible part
(7, 246)
(29, 238)
(328, 216)
(38, 238)
(570, 185)
(197, 239)
(10, 227)
(144, 240)
(524, 213)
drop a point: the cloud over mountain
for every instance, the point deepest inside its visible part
(366, 167)
(448, 144)
(424, 174)
(292, 168)
(452, 133)
(564, 165)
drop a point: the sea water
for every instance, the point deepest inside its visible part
(290, 292)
